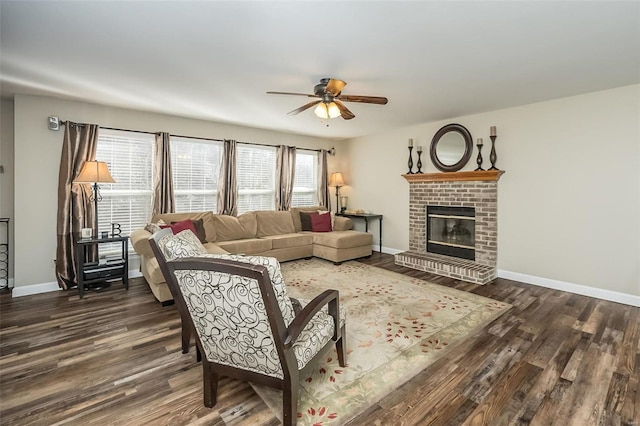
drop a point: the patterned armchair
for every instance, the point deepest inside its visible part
(245, 323)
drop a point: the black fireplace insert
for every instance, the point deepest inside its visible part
(451, 231)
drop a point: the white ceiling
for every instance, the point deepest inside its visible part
(215, 60)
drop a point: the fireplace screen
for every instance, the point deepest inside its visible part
(451, 231)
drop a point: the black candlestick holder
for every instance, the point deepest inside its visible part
(419, 164)
(493, 157)
(410, 163)
(479, 159)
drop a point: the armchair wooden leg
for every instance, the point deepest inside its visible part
(186, 336)
(341, 346)
(210, 384)
(290, 403)
(198, 354)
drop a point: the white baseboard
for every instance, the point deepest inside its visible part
(613, 296)
(387, 250)
(28, 290)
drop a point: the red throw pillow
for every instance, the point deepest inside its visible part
(320, 222)
(181, 226)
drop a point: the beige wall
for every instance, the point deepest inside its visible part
(37, 160)
(6, 178)
(569, 202)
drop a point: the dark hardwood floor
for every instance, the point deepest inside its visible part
(114, 358)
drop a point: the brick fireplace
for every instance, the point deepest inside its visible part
(469, 190)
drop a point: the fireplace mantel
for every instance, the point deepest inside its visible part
(486, 175)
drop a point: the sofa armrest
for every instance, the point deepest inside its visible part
(342, 224)
(140, 241)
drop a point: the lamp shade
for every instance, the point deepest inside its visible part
(94, 172)
(321, 110)
(336, 179)
(333, 110)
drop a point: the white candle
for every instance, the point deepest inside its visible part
(493, 131)
(479, 141)
(410, 142)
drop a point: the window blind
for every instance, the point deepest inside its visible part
(305, 183)
(128, 201)
(256, 176)
(195, 166)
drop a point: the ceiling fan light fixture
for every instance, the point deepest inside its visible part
(321, 111)
(327, 110)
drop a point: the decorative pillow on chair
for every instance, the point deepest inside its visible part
(182, 244)
(321, 223)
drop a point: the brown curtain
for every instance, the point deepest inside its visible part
(75, 209)
(227, 183)
(323, 179)
(162, 176)
(285, 175)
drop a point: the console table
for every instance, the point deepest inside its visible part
(366, 217)
(101, 271)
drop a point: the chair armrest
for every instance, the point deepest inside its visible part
(140, 242)
(301, 320)
(342, 224)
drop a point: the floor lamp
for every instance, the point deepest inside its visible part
(337, 180)
(95, 172)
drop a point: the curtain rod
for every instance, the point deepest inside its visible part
(191, 137)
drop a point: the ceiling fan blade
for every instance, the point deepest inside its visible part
(303, 107)
(379, 100)
(335, 86)
(290, 93)
(344, 111)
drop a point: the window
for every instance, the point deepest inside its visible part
(256, 177)
(129, 200)
(195, 166)
(305, 184)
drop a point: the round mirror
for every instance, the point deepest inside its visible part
(451, 148)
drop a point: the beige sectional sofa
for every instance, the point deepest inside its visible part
(262, 233)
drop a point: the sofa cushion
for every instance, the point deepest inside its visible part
(342, 239)
(321, 222)
(289, 240)
(229, 228)
(245, 246)
(295, 214)
(274, 223)
(207, 221)
(214, 249)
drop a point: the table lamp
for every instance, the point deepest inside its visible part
(95, 172)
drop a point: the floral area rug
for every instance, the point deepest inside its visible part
(396, 326)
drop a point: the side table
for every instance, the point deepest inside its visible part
(366, 217)
(94, 272)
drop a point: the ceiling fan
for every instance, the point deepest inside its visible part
(330, 103)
